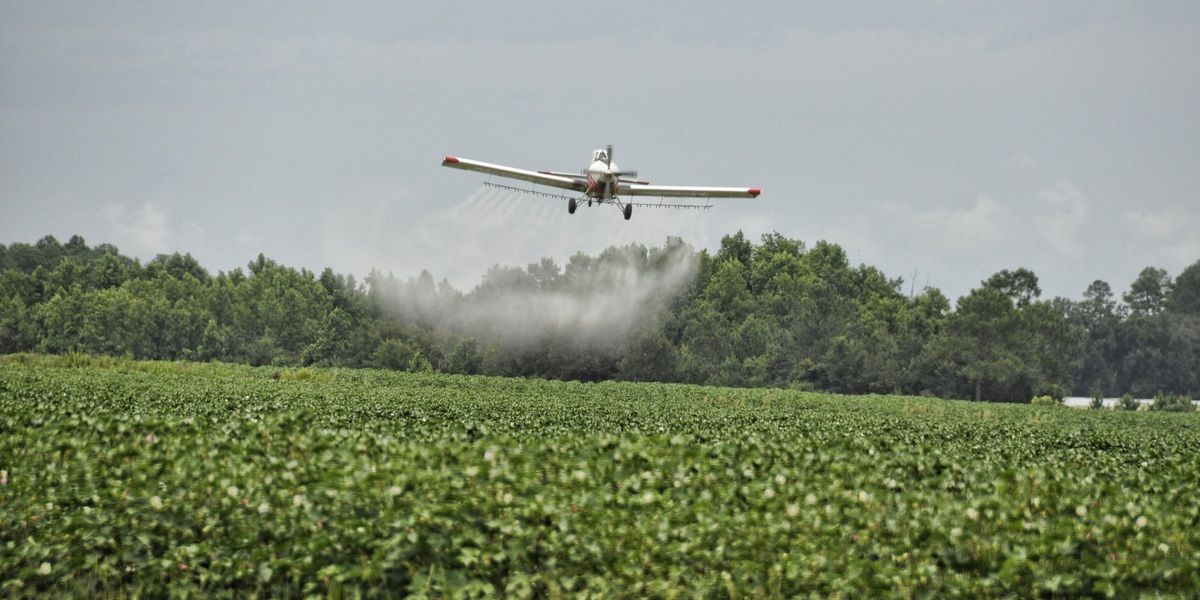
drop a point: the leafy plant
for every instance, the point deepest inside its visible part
(1127, 402)
(1166, 401)
(185, 479)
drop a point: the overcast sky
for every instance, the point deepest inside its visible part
(943, 139)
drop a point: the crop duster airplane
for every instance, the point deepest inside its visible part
(602, 183)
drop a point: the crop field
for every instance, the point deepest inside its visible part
(126, 478)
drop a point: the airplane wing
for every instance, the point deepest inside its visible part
(576, 183)
(682, 191)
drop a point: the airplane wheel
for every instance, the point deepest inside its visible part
(589, 202)
(571, 206)
(628, 211)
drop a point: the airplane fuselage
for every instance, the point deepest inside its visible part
(601, 179)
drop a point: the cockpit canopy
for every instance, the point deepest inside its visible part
(600, 155)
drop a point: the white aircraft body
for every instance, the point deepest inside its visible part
(603, 183)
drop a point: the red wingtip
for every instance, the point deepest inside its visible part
(449, 160)
(754, 192)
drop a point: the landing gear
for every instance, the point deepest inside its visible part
(628, 211)
(589, 202)
(571, 206)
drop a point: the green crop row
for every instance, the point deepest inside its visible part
(158, 479)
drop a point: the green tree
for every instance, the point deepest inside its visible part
(1127, 402)
(106, 272)
(649, 356)
(1184, 297)
(177, 265)
(465, 357)
(736, 247)
(1020, 285)
(982, 339)
(1100, 354)
(18, 333)
(215, 342)
(1052, 345)
(332, 340)
(1148, 293)
(395, 354)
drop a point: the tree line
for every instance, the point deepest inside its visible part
(774, 313)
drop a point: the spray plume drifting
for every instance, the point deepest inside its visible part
(495, 226)
(592, 306)
(601, 298)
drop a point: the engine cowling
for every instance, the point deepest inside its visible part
(601, 172)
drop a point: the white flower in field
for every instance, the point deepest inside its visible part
(648, 498)
(264, 508)
(748, 472)
(3, 477)
(793, 510)
(156, 503)
(490, 454)
(780, 479)
(1164, 548)
(579, 475)
(1081, 510)
(232, 491)
(956, 532)
(810, 499)
(298, 500)
(45, 568)
(394, 491)
(769, 493)
(471, 471)
(864, 496)
(507, 498)
(972, 514)
(1141, 522)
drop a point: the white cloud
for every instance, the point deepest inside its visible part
(1060, 221)
(1171, 235)
(963, 230)
(146, 229)
(143, 227)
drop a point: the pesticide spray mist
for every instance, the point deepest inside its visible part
(589, 303)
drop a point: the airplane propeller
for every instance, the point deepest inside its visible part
(608, 151)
